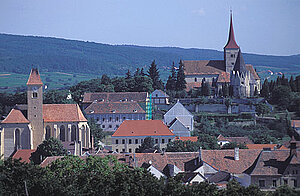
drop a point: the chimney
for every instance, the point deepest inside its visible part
(236, 154)
(200, 154)
(293, 147)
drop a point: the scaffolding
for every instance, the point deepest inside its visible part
(149, 108)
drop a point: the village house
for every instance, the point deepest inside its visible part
(180, 120)
(238, 140)
(159, 97)
(131, 134)
(26, 126)
(110, 115)
(242, 78)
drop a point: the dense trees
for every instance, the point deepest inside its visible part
(262, 109)
(147, 145)
(153, 73)
(49, 147)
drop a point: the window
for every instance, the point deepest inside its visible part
(110, 119)
(124, 118)
(73, 133)
(232, 63)
(156, 141)
(261, 183)
(285, 181)
(103, 126)
(34, 95)
(136, 141)
(142, 140)
(129, 141)
(156, 95)
(195, 79)
(117, 119)
(17, 139)
(123, 141)
(117, 141)
(274, 183)
(130, 150)
(48, 132)
(117, 126)
(163, 141)
(103, 119)
(169, 140)
(62, 135)
(232, 55)
(117, 150)
(123, 150)
(295, 183)
(98, 119)
(110, 126)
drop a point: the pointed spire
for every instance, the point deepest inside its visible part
(34, 78)
(231, 43)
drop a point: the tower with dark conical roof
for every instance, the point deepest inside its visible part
(231, 49)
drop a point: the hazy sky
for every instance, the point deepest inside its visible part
(261, 26)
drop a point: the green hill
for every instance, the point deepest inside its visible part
(19, 53)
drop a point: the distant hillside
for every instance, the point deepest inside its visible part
(19, 53)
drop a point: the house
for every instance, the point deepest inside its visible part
(179, 129)
(159, 97)
(131, 134)
(273, 168)
(110, 115)
(149, 167)
(26, 126)
(139, 97)
(23, 154)
(192, 178)
(239, 140)
(180, 114)
(242, 78)
(192, 139)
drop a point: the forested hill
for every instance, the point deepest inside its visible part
(19, 53)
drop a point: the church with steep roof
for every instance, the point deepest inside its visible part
(232, 71)
(26, 126)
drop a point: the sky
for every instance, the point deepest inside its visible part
(261, 26)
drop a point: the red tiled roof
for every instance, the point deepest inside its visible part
(15, 116)
(24, 154)
(295, 123)
(261, 146)
(203, 67)
(224, 77)
(142, 128)
(114, 107)
(192, 139)
(252, 71)
(34, 78)
(231, 40)
(115, 96)
(239, 140)
(62, 113)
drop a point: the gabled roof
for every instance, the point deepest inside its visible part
(189, 176)
(203, 67)
(252, 71)
(177, 125)
(143, 128)
(62, 113)
(192, 139)
(220, 176)
(160, 93)
(224, 77)
(264, 146)
(231, 43)
(15, 116)
(178, 110)
(24, 155)
(115, 97)
(238, 140)
(34, 78)
(114, 107)
(240, 65)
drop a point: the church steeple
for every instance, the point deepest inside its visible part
(231, 43)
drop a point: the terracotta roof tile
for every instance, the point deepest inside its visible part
(15, 116)
(252, 71)
(114, 107)
(203, 67)
(115, 96)
(261, 146)
(239, 140)
(142, 128)
(295, 123)
(224, 77)
(192, 139)
(62, 113)
(24, 154)
(34, 78)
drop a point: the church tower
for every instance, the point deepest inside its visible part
(231, 49)
(35, 107)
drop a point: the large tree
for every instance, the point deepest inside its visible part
(180, 81)
(171, 82)
(148, 144)
(153, 73)
(49, 147)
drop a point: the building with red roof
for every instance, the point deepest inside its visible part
(232, 70)
(26, 126)
(131, 134)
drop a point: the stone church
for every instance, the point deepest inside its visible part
(242, 78)
(26, 126)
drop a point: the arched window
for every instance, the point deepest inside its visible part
(62, 136)
(83, 136)
(73, 133)
(87, 137)
(48, 132)
(17, 139)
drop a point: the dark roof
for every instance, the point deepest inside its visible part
(15, 116)
(34, 78)
(220, 176)
(188, 176)
(273, 162)
(202, 67)
(240, 63)
(114, 107)
(231, 43)
(115, 97)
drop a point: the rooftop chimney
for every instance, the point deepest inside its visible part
(236, 154)
(200, 154)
